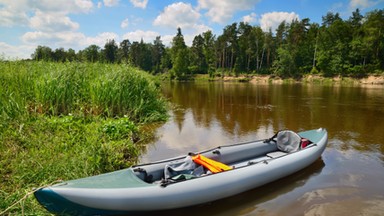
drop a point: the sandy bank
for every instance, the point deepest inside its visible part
(266, 79)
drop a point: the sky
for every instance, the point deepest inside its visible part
(77, 24)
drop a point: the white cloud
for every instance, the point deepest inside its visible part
(272, 20)
(124, 24)
(100, 39)
(147, 36)
(16, 52)
(111, 3)
(63, 6)
(223, 10)
(184, 16)
(178, 15)
(139, 3)
(18, 13)
(198, 29)
(99, 5)
(74, 40)
(167, 39)
(51, 22)
(13, 13)
(251, 18)
(59, 39)
(136, 21)
(362, 3)
(84, 5)
(11, 18)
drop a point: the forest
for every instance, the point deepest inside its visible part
(353, 47)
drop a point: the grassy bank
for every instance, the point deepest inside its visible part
(69, 120)
(28, 88)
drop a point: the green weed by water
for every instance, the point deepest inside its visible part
(56, 89)
(46, 149)
(67, 121)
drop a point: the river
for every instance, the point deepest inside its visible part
(347, 180)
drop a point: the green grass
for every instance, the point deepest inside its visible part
(56, 89)
(69, 120)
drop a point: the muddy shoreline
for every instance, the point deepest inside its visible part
(266, 79)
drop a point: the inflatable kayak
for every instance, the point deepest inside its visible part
(187, 180)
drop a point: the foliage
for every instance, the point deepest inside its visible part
(352, 47)
(179, 56)
(110, 51)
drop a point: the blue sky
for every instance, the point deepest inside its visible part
(25, 24)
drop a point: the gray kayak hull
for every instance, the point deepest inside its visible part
(252, 168)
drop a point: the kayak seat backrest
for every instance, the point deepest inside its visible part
(288, 141)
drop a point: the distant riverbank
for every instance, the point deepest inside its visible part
(264, 79)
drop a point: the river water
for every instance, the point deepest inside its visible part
(347, 180)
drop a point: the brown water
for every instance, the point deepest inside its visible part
(347, 180)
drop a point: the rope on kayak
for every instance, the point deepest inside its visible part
(26, 196)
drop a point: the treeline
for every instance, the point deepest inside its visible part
(352, 47)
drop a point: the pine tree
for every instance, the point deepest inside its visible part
(179, 56)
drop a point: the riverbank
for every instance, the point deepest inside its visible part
(269, 79)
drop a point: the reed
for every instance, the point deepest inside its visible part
(69, 120)
(56, 89)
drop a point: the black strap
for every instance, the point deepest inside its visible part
(272, 138)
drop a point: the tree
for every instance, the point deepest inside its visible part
(284, 65)
(158, 50)
(59, 55)
(230, 33)
(42, 53)
(179, 56)
(71, 55)
(245, 48)
(330, 18)
(209, 52)
(92, 53)
(356, 19)
(352, 47)
(198, 60)
(373, 41)
(166, 62)
(145, 57)
(110, 51)
(123, 51)
(333, 50)
(269, 47)
(281, 34)
(256, 51)
(140, 55)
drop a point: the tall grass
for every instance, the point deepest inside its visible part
(69, 120)
(56, 89)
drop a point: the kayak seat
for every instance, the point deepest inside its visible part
(287, 142)
(276, 154)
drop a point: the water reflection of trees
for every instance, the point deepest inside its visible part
(245, 108)
(237, 108)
